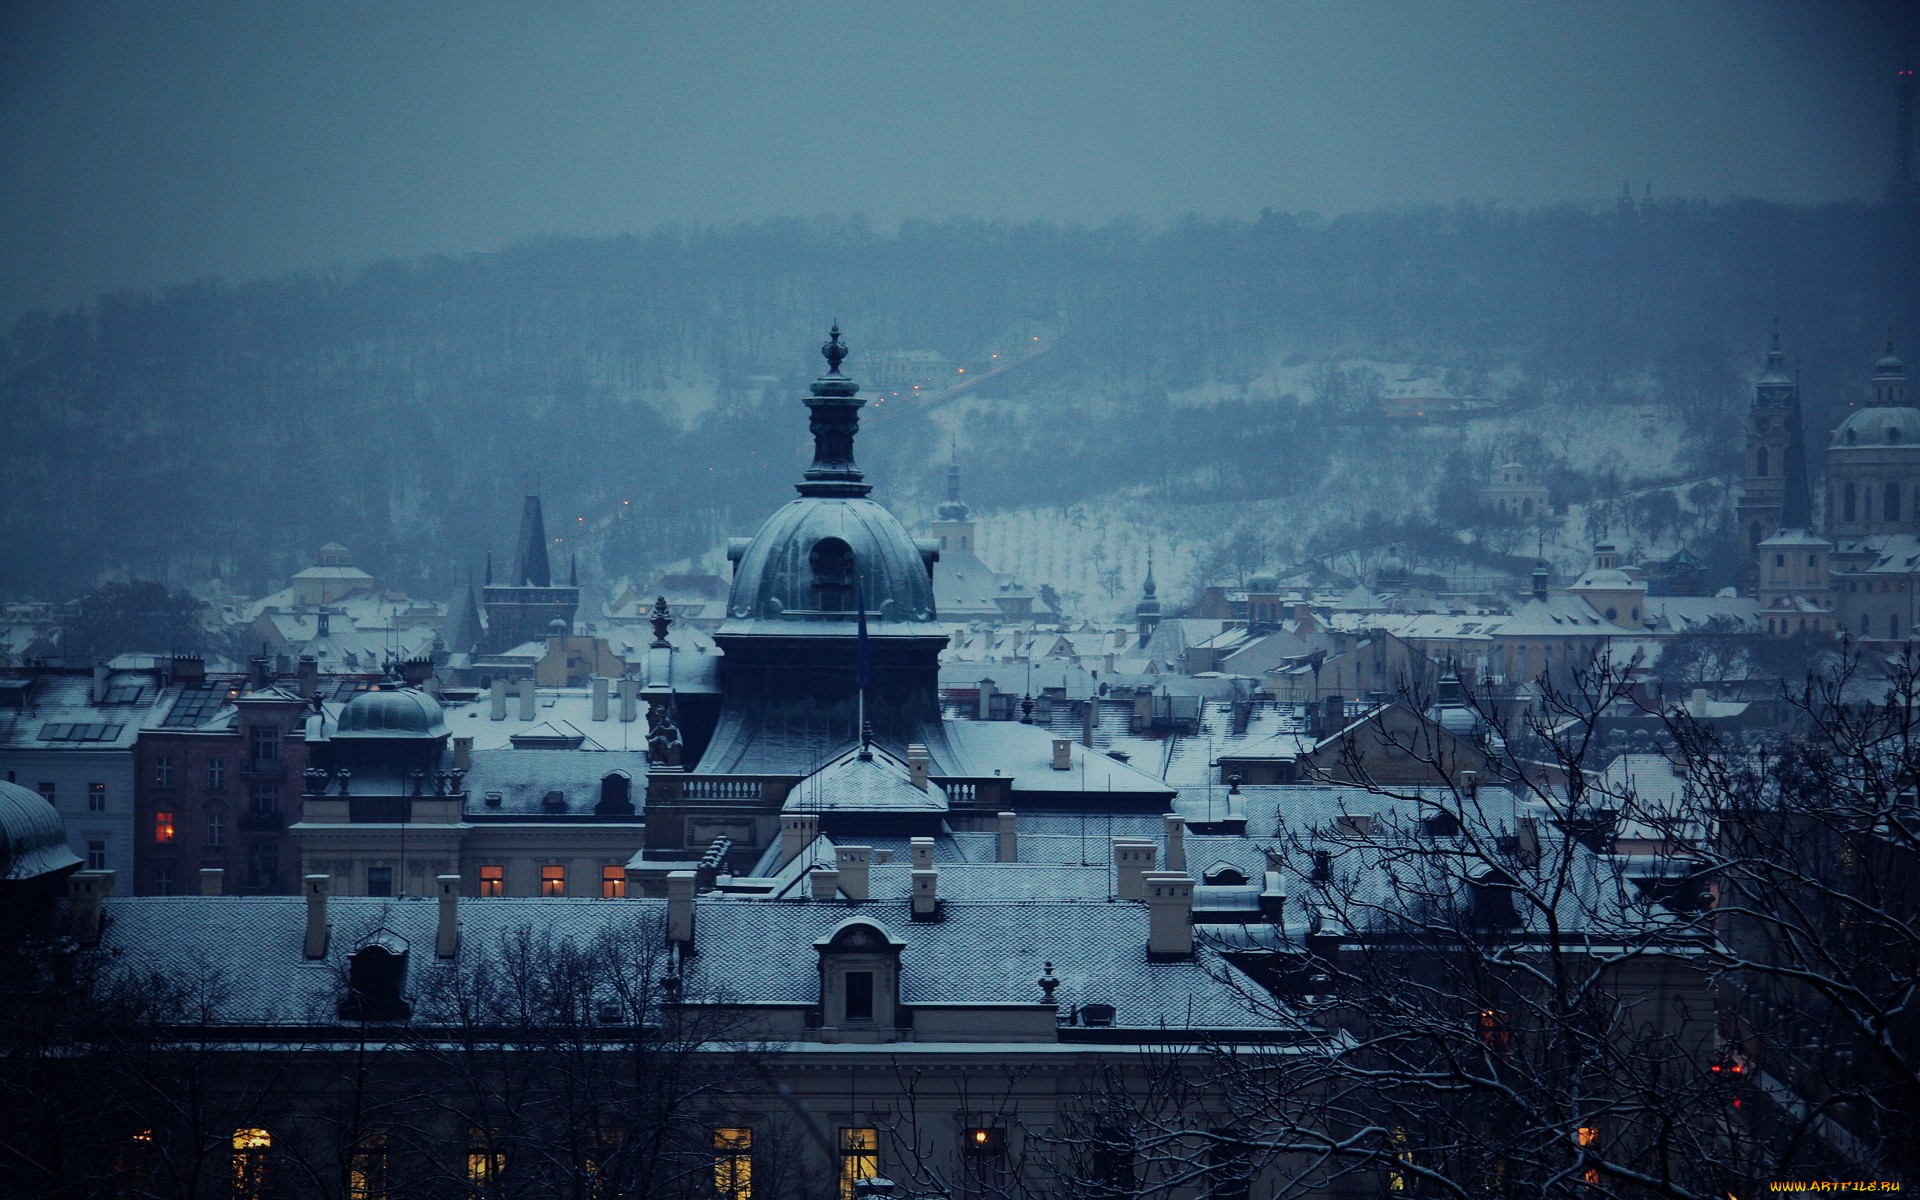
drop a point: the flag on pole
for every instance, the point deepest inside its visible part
(860, 602)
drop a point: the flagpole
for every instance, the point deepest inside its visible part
(860, 677)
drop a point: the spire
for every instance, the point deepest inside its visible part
(530, 568)
(953, 509)
(573, 569)
(1889, 377)
(1147, 588)
(1903, 188)
(835, 408)
(487, 581)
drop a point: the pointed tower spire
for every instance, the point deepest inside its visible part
(953, 508)
(573, 569)
(488, 580)
(1903, 188)
(531, 568)
(835, 407)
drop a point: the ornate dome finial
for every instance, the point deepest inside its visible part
(1776, 333)
(835, 351)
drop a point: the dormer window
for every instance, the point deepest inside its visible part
(376, 982)
(831, 562)
(859, 996)
(859, 981)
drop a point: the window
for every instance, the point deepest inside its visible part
(1398, 1182)
(1890, 510)
(983, 1162)
(485, 1163)
(1229, 1170)
(367, 1169)
(493, 881)
(263, 867)
(49, 792)
(96, 856)
(613, 883)
(1496, 1033)
(1848, 505)
(859, 995)
(163, 881)
(1893, 626)
(1587, 1137)
(1760, 461)
(859, 1158)
(553, 881)
(216, 829)
(733, 1163)
(163, 825)
(163, 771)
(264, 799)
(264, 742)
(96, 797)
(250, 1149)
(379, 881)
(1779, 560)
(216, 774)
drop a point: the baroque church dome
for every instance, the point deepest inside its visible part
(1879, 427)
(392, 713)
(816, 562)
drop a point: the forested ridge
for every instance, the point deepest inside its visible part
(647, 385)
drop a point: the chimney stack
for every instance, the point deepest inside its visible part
(498, 695)
(448, 941)
(307, 676)
(1273, 898)
(316, 915)
(1528, 840)
(922, 853)
(1169, 914)
(680, 889)
(797, 831)
(1089, 717)
(986, 700)
(1132, 859)
(926, 893)
(1176, 842)
(189, 669)
(210, 881)
(853, 864)
(599, 697)
(97, 693)
(526, 700)
(1062, 754)
(824, 882)
(1008, 849)
(918, 763)
(463, 754)
(629, 699)
(87, 892)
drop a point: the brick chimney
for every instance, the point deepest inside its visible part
(316, 888)
(922, 851)
(498, 696)
(87, 892)
(1169, 914)
(1176, 842)
(1009, 840)
(599, 697)
(447, 943)
(629, 699)
(463, 754)
(918, 763)
(1132, 859)
(1063, 754)
(926, 893)
(307, 676)
(526, 700)
(854, 864)
(824, 883)
(210, 881)
(797, 831)
(680, 889)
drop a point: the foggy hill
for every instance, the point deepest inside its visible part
(648, 386)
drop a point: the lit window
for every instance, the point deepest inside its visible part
(163, 771)
(163, 825)
(250, 1150)
(216, 774)
(1586, 1137)
(613, 883)
(96, 797)
(859, 1159)
(603, 1147)
(1398, 1181)
(485, 1163)
(493, 881)
(733, 1164)
(1495, 1032)
(983, 1162)
(367, 1169)
(553, 881)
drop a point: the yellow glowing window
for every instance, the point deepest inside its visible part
(250, 1149)
(485, 1162)
(493, 881)
(613, 883)
(163, 825)
(367, 1169)
(1397, 1181)
(1586, 1135)
(602, 1147)
(859, 1159)
(733, 1164)
(553, 881)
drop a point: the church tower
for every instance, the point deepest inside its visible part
(524, 608)
(1773, 495)
(1146, 614)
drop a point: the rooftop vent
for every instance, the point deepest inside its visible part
(1098, 1016)
(555, 801)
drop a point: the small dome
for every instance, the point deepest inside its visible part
(33, 841)
(1879, 427)
(1889, 364)
(805, 561)
(1605, 579)
(392, 713)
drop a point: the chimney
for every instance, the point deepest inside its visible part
(210, 881)
(1062, 754)
(463, 754)
(526, 700)
(918, 763)
(1334, 717)
(824, 883)
(599, 697)
(317, 915)
(448, 941)
(499, 697)
(1132, 859)
(853, 864)
(1528, 840)
(797, 831)
(416, 671)
(680, 889)
(323, 624)
(629, 699)
(922, 853)
(1088, 714)
(926, 893)
(87, 892)
(986, 700)
(189, 669)
(307, 675)
(1169, 914)
(1008, 849)
(1273, 898)
(97, 693)
(1470, 784)
(1176, 842)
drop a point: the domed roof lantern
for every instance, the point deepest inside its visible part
(1889, 378)
(835, 404)
(1775, 375)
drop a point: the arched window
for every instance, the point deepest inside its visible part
(1847, 502)
(1760, 461)
(1890, 511)
(832, 565)
(616, 794)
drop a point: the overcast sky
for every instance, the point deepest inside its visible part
(151, 143)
